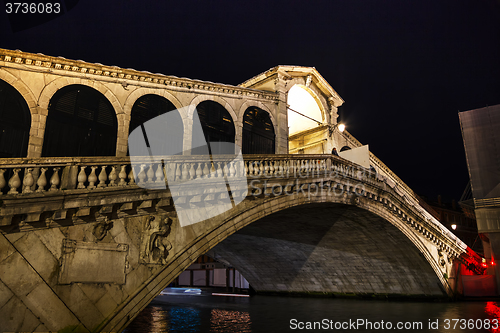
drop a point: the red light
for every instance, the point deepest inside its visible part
(493, 263)
(484, 264)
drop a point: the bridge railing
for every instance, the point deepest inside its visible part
(39, 177)
(20, 176)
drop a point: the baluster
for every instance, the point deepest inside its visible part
(199, 170)
(14, 182)
(266, 168)
(2, 180)
(178, 171)
(206, 170)
(54, 180)
(261, 168)
(113, 176)
(170, 171)
(131, 176)
(42, 181)
(82, 177)
(246, 165)
(250, 168)
(281, 168)
(102, 177)
(142, 175)
(219, 170)
(92, 178)
(225, 169)
(159, 175)
(150, 174)
(122, 175)
(185, 171)
(232, 169)
(28, 181)
(213, 172)
(192, 172)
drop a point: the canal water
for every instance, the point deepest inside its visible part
(207, 313)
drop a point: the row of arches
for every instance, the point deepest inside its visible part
(82, 122)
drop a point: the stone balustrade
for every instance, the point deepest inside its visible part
(45, 192)
(24, 176)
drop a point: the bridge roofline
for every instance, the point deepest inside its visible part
(49, 63)
(294, 71)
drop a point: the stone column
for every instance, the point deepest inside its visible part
(37, 131)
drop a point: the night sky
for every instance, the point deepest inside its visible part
(405, 68)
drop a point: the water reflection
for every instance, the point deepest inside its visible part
(263, 314)
(230, 321)
(183, 320)
(156, 319)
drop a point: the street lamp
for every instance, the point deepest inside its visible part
(341, 127)
(454, 226)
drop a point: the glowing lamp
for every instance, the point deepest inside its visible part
(454, 226)
(341, 127)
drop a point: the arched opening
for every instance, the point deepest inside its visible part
(81, 122)
(303, 112)
(217, 126)
(353, 239)
(307, 133)
(150, 106)
(345, 148)
(15, 121)
(258, 132)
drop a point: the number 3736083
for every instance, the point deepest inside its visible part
(471, 324)
(32, 8)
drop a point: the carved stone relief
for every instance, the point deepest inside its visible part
(155, 245)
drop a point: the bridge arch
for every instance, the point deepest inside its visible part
(210, 233)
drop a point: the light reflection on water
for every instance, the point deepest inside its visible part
(207, 314)
(230, 321)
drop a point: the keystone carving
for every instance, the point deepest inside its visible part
(155, 245)
(101, 229)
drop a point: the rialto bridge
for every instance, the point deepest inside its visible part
(89, 236)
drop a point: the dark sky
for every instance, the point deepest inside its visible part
(405, 68)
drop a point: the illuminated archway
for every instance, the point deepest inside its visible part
(303, 112)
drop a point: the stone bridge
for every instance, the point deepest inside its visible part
(84, 247)
(88, 240)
